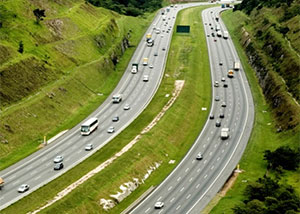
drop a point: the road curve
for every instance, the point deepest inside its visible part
(37, 169)
(193, 183)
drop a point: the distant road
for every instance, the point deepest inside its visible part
(37, 169)
(193, 183)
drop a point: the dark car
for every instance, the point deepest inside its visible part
(218, 123)
(211, 116)
(221, 115)
(58, 166)
(225, 85)
(223, 104)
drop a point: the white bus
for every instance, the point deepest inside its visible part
(89, 126)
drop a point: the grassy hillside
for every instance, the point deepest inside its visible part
(47, 87)
(264, 135)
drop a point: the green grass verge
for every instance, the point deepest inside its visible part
(76, 96)
(263, 136)
(170, 139)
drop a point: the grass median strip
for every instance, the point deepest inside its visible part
(170, 139)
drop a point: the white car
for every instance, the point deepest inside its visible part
(145, 78)
(111, 129)
(159, 205)
(216, 84)
(157, 31)
(223, 79)
(126, 107)
(23, 188)
(199, 156)
(58, 159)
(151, 66)
(88, 147)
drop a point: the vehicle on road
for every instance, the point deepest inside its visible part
(115, 119)
(134, 68)
(225, 85)
(155, 54)
(150, 42)
(58, 166)
(219, 34)
(151, 66)
(117, 98)
(111, 129)
(145, 61)
(58, 159)
(146, 78)
(89, 126)
(218, 123)
(223, 104)
(1, 183)
(126, 107)
(230, 73)
(218, 27)
(236, 66)
(220, 63)
(159, 205)
(199, 156)
(163, 48)
(211, 116)
(225, 34)
(221, 115)
(23, 188)
(223, 79)
(216, 84)
(88, 147)
(213, 34)
(217, 98)
(224, 133)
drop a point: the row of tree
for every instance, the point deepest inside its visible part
(269, 195)
(129, 7)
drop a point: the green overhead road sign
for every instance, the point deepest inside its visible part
(182, 29)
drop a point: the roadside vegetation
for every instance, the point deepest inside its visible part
(267, 184)
(47, 59)
(169, 140)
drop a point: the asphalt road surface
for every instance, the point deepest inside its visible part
(37, 169)
(193, 183)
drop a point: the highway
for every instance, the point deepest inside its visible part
(193, 183)
(37, 169)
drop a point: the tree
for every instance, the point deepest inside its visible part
(283, 156)
(21, 47)
(39, 14)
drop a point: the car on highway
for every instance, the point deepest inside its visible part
(163, 48)
(115, 119)
(111, 129)
(217, 98)
(221, 115)
(126, 107)
(209, 24)
(155, 54)
(159, 205)
(23, 188)
(208, 35)
(216, 84)
(223, 104)
(213, 34)
(218, 123)
(157, 31)
(223, 79)
(146, 78)
(58, 166)
(58, 159)
(199, 156)
(151, 66)
(211, 116)
(225, 85)
(88, 147)
(220, 63)
(215, 40)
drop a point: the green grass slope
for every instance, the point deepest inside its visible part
(48, 87)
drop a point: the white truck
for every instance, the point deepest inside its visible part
(225, 34)
(219, 34)
(117, 98)
(224, 133)
(236, 66)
